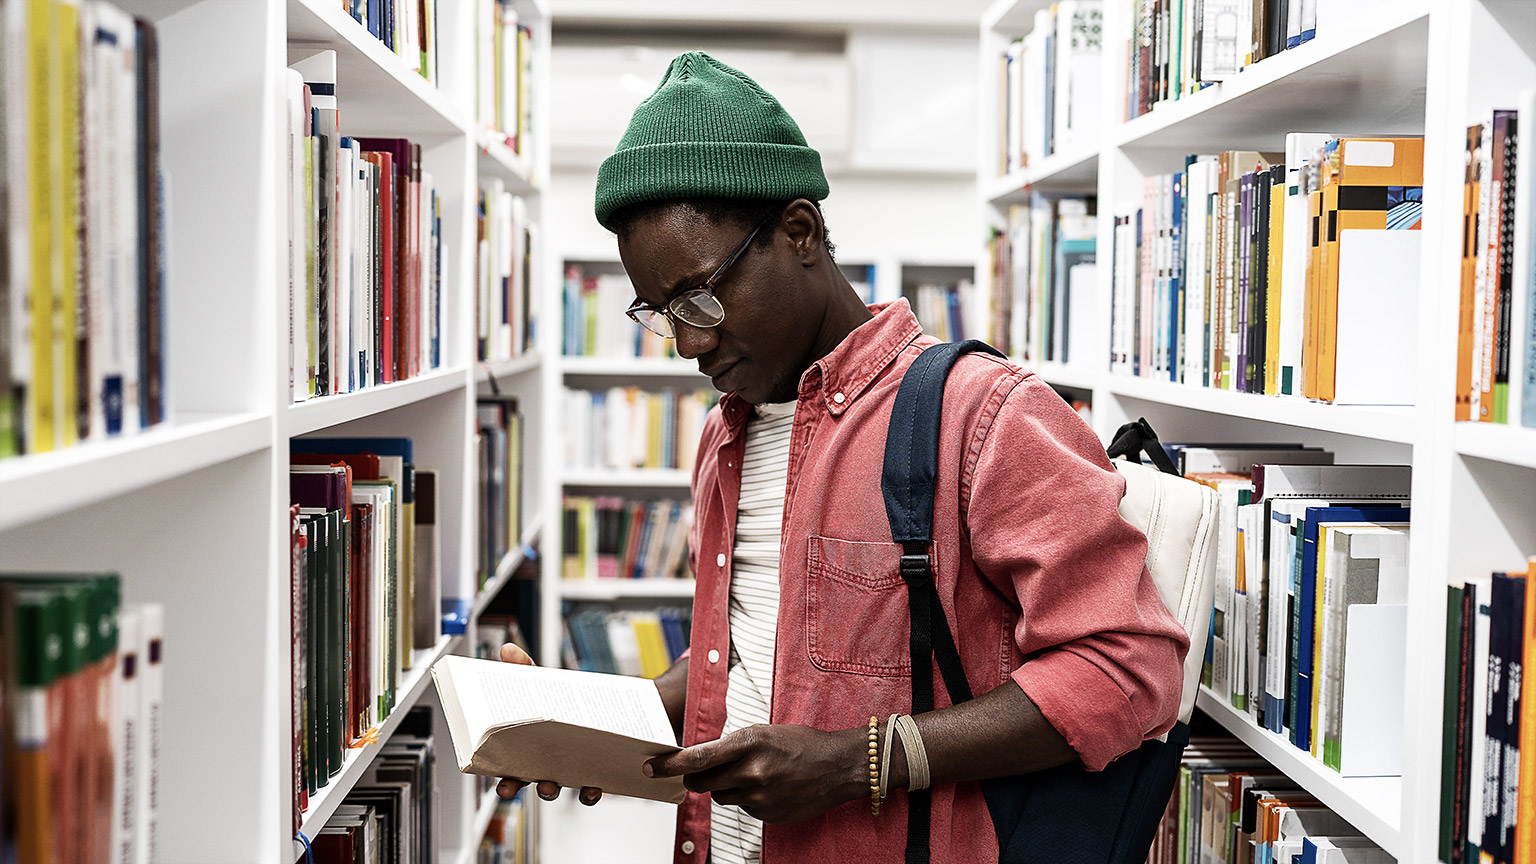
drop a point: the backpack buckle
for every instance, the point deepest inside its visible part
(915, 570)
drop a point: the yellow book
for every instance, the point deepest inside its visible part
(1309, 324)
(1525, 820)
(41, 79)
(653, 454)
(653, 646)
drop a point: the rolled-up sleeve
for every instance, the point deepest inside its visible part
(1103, 658)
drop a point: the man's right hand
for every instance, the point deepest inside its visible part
(547, 789)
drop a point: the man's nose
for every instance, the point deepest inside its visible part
(693, 342)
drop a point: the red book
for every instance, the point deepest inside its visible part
(397, 153)
(387, 252)
(296, 544)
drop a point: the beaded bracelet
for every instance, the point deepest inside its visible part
(874, 766)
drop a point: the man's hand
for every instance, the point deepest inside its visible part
(548, 790)
(778, 774)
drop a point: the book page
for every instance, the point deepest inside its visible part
(494, 693)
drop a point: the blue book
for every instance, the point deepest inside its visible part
(1304, 617)
(375, 18)
(672, 632)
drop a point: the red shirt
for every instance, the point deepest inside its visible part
(1041, 580)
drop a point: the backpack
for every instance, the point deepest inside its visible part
(1064, 814)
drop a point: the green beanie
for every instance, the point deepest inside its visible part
(708, 131)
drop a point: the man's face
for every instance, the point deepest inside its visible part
(772, 312)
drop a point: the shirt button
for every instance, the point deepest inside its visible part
(838, 398)
(714, 656)
(687, 847)
(720, 560)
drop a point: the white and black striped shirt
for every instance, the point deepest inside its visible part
(737, 838)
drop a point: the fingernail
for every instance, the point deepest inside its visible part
(647, 770)
(504, 789)
(589, 798)
(548, 797)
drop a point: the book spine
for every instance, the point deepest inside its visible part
(151, 695)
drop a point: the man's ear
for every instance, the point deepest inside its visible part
(801, 223)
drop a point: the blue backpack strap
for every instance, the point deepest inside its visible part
(907, 482)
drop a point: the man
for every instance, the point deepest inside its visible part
(800, 615)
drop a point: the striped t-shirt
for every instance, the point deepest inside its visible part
(737, 838)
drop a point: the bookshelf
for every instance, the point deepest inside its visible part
(192, 513)
(1414, 67)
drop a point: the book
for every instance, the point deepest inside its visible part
(574, 728)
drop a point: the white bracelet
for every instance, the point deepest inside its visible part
(917, 756)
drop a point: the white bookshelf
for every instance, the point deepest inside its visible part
(624, 589)
(1375, 68)
(639, 478)
(192, 514)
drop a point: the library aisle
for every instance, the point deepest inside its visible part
(314, 371)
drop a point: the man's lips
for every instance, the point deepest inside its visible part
(718, 371)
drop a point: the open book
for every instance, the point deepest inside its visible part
(575, 728)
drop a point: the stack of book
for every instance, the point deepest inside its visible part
(390, 814)
(1310, 618)
(608, 537)
(1487, 760)
(595, 323)
(509, 837)
(504, 74)
(1179, 47)
(625, 428)
(947, 311)
(1048, 85)
(499, 487)
(1293, 274)
(1496, 351)
(365, 248)
(365, 592)
(1230, 807)
(82, 202)
(82, 686)
(406, 27)
(625, 643)
(1043, 266)
(506, 306)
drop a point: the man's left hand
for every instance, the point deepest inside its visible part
(779, 774)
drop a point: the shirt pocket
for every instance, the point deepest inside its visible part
(856, 608)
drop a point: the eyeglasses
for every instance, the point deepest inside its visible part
(696, 307)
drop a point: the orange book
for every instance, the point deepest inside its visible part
(1376, 183)
(1314, 266)
(1469, 209)
(1525, 819)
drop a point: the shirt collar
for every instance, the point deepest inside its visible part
(847, 371)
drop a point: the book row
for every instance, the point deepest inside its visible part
(1487, 761)
(82, 203)
(1042, 270)
(499, 482)
(494, 630)
(1231, 807)
(365, 592)
(504, 74)
(1049, 84)
(595, 323)
(1283, 274)
(1310, 606)
(626, 428)
(948, 311)
(389, 815)
(506, 304)
(82, 688)
(608, 537)
(642, 643)
(1179, 47)
(406, 27)
(1496, 340)
(365, 269)
(509, 836)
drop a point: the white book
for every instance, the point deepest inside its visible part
(1481, 309)
(151, 692)
(1082, 282)
(487, 22)
(1190, 355)
(1036, 123)
(510, 67)
(1013, 101)
(127, 737)
(346, 293)
(18, 220)
(574, 728)
(1299, 150)
(621, 636)
(1377, 329)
